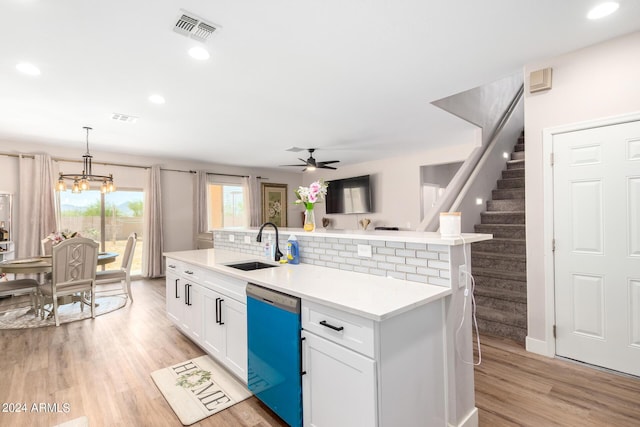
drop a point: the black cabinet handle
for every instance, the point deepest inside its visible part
(177, 296)
(304, 371)
(188, 272)
(172, 266)
(220, 305)
(187, 294)
(330, 326)
(217, 311)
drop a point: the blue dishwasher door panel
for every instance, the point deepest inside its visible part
(273, 337)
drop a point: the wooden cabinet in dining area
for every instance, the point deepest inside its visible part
(7, 247)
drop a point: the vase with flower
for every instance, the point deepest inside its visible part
(59, 236)
(309, 196)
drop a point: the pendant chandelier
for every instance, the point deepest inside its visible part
(82, 181)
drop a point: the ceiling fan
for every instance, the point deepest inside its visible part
(311, 163)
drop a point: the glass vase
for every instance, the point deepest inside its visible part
(309, 219)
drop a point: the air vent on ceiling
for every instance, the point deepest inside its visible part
(124, 118)
(191, 25)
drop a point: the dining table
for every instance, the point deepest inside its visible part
(43, 263)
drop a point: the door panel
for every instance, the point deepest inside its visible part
(634, 309)
(634, 214)
(588, 305)
(597, 241)
(586, 216)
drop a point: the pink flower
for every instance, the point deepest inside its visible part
(314, 188)
(313, 197)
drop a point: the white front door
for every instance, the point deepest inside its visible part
(597, 245)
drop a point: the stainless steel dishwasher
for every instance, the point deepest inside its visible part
(274, 356)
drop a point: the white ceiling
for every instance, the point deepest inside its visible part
(352, 78)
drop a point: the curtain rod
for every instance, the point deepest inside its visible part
(61, 159)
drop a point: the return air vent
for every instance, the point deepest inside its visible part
(191, 25)
(124, 118)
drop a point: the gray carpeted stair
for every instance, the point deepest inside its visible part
(499, 266)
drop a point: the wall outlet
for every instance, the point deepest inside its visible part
(462, 276)
(247, 240)
(232, 238)
(364, 251)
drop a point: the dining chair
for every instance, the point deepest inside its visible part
(122, 274)
(46, 245)
(73, 272)
(11, 288)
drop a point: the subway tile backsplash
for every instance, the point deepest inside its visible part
(414, 262)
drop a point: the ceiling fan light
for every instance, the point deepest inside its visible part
(311, 168)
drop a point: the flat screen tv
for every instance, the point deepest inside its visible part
(349, 196)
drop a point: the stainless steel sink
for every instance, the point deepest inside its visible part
(251, 265)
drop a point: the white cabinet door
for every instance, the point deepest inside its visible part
(212, 332)
(224, 334)
(339, 387)
(174, 296)
(234, 317)
(192, 318)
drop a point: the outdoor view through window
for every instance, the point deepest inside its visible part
(226, 206)
(106, 218)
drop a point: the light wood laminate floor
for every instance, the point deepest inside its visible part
(101, 369)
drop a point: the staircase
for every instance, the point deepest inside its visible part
(500, 265)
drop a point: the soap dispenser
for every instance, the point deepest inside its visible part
(293, 250)
(267, 249)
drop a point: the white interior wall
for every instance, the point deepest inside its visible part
(177, 198)
(396, 185)
(596, 82)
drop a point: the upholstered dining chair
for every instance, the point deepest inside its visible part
(122, 274)
(18, 287)
(73, 272)
(46, 246)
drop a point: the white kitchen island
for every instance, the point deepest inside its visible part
(400, 358)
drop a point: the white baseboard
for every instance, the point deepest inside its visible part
(471, 420)
(539, 347)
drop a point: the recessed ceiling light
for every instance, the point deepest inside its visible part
(603, 9)
(26, 68)
(199, 53)
(157, 99)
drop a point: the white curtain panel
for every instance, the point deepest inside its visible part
(152, 259)
(254, 205)
(201, 224)
(36, 203)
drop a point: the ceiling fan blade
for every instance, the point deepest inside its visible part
(329, 162)
(327, 167)
(306, 162)
(297, 166)
(295, 149)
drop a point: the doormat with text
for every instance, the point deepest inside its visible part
(198, 388)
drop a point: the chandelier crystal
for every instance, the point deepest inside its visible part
(81, 182)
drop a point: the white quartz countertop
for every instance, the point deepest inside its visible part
(373, 297)
(392, 236)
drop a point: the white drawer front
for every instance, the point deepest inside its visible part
(191, 272)
(229, 286)
(174, 266)
(346, 329)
